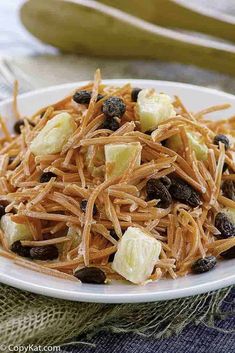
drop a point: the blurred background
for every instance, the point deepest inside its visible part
(35, 63)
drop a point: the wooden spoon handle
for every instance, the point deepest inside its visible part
(87, 27)
(180, 14)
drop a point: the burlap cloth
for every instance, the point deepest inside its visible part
(28, 318)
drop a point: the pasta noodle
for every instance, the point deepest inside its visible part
(53, 211)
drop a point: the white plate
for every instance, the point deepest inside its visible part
(195, 98)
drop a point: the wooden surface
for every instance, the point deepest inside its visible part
(89, 29)
(172, 14)
(31, 56)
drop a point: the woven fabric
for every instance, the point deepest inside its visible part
(26, 318)
(200, 339)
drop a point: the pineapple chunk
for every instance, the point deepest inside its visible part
(14, 231)
(95, 165)
(54, 135)
(119, 156)
(75, 234)
(196, 142)
(153, 108)
(136, 256)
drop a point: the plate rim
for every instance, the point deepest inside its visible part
(121, 298)
(118, 297)
(118, 81)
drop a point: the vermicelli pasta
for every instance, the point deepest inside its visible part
(166, 189)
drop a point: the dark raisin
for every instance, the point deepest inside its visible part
(91, 275)
(134, 93)
(20, 250)
(45, 177)
(2, 211)
(194, 199)
(166, 181)
(18, 125)
(99, 97)
(224, 225)
(229, 254)
(151, 186)
(111, 124)
(225, 167)
(228, 188)
(84, 97)
(181, 191)
(221, 138)
(47, 252)
(113, 107)
(83, 205)
(204, 264)
(156, 190)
